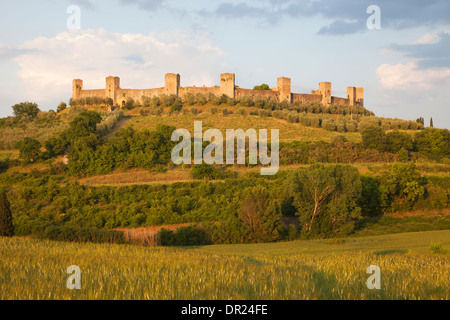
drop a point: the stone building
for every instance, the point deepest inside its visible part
(119, 96)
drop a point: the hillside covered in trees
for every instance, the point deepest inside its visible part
(343, 171)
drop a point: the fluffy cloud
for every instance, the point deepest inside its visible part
(428, 68)
(48, 65)
(410, 77)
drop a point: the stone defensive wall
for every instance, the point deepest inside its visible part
(355, 96)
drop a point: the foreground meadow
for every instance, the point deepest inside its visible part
(32, 269)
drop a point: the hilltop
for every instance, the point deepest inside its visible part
(87, 167)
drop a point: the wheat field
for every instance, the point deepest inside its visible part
(34, 269)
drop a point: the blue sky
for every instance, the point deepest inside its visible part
(404, 66)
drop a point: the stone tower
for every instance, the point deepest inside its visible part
(112, 88)
(284, 89)
(360, 96)
(227, 84)
(77, 86)
(351, 95)
(172, 83)
(325, 91)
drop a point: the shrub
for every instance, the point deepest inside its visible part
(206, 171)
(201, 99)
(293, 117)
(437, 248)
(247, 101)
(129, 104)
(6, 220)
(329, 124)
(62, 106)
(189, 99)
(213, 110)
(194, 111)
(242, 111)
(166, 237)
(183, 236)
(225, 111)
(74, 234)
(29, 150)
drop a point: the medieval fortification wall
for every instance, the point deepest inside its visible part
(355, 96)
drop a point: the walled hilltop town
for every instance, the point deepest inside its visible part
(119, 96)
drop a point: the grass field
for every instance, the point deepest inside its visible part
(288, 131)
(322, 269)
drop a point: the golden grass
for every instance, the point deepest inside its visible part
(288, 131)
(32, 269)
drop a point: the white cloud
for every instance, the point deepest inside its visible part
(140, 60)
(408, 77)
(428, 38)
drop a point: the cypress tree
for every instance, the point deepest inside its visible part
(6, 225)
(431, 122)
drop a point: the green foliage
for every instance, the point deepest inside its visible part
(6, 219)
(437, 248)
(433, 143)
(370, 197)
(75, 234)
(201, 99)
(262, 87)
(183, 236)
(62, 106)
(374, 138)
(206, 171)
(326, 198)
(29, 150)
(396, 141)
(129, 104)
(259, 215)
(401, 186)
(54, 146)
(83, 125)
(26, 110)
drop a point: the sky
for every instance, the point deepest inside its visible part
(400, 56)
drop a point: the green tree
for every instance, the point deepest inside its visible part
(62, 106)
(262, 87)
(83, 125)
(401, 187)
(26, 110)
(433, 143)
(370, 197)
(259, 215)
(326, 198)
(374, 137)
(396, 140)
(431, 123)
(6, 220)
(30, 149)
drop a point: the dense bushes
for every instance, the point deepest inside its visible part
(74, 234)
(6, 219)
(431, 143)
(39, 199)
(183, 236)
